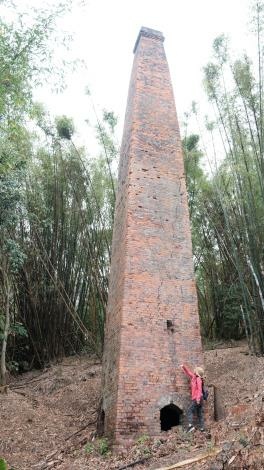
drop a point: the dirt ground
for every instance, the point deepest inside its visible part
(47, 420)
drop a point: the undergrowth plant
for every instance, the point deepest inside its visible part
(3, 464)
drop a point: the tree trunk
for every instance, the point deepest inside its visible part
(6, 332)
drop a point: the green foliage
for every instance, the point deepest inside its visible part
(3, 464)
(219, 292)
(142, 442)
(69, 213)
(15, 254)
(18, 329)
(220, 48)
(142, 439)
(190, 144)
(227, 209)
(105, 136)
(211, 80)
(13, 366)
(103, 446)
(89, 448)
(55, 205)
(65, 127)
(110, 118)
(26, 59)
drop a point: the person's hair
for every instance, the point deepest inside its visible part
(199, 371)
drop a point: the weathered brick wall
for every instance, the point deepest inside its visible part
(152, 278)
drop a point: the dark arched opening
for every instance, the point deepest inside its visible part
(170, 416)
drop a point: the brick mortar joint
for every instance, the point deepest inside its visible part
(148, 33)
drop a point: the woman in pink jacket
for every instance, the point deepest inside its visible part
(196, 406)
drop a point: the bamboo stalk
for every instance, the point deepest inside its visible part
(198, 458)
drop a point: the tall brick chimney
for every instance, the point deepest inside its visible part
(152, 323)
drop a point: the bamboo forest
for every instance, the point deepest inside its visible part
(57, 210)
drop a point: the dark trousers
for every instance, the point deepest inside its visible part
(196, 409)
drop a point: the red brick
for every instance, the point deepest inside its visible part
(152, 278)
(239, 410)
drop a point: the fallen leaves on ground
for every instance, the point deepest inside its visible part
(48, 420)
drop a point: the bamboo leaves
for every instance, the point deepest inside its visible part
(229, 208)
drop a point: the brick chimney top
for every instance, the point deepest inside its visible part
(148, 33)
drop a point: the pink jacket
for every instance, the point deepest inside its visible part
(196, 384)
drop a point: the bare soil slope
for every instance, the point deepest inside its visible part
(48, 420)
